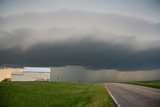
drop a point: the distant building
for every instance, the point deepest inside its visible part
(32, 74)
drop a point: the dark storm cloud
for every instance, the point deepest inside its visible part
(83, 38)
(85, 52)
(15, 38)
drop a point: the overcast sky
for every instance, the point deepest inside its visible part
(113, 34)
(146, 9)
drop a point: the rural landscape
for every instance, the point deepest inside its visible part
(79, 53)
(64, 94)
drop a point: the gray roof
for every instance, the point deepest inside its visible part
(36, 69)
(17, 73)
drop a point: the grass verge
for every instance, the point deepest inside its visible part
(153, 84)
(53, 94)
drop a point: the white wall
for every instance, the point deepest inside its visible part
(30, 76)
(21, 77)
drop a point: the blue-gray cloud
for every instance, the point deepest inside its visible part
(147, 9)
(85, 52)
(76, 37)
(68, 24)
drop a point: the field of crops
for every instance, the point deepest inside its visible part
(154, 84)
(53, 94)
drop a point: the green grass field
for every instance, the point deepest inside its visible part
(53, 94)
(154, 84)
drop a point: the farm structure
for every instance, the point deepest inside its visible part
(32, 74)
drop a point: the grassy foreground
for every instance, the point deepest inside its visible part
(154, 84)
(53, 94)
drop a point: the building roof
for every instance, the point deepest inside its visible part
(17, 73)
(36, 69)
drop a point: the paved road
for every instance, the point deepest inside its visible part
(134, 96)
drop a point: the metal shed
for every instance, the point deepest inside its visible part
(32, 74)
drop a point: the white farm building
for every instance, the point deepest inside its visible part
(32, 74)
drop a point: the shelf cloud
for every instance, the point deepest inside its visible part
(79, 37)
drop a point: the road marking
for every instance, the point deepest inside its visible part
(113, 98)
